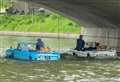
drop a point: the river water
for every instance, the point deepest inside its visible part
(56, 71)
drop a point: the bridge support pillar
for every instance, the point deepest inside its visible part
(106, 36)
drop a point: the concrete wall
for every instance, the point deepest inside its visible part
(106, 36)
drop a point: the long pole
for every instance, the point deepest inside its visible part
(58, 32)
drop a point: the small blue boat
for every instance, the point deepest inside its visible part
(22, 54)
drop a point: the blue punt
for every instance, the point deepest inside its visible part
(14, 53)
(32, 55)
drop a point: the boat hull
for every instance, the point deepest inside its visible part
(32, 55)
(92, 54)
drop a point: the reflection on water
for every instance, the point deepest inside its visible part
(59, 71)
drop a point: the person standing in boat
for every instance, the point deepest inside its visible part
(39, 44)
(80, 43)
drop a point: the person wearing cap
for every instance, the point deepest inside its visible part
(39, 44)
(80, 43)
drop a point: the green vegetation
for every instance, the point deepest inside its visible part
(38, 23)
(4, 3)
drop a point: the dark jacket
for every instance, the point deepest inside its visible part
(39, 45)
(80, 44)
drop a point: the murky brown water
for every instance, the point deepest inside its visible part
(57, 71)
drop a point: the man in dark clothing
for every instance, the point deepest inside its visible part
(80, 43)
(39, 44)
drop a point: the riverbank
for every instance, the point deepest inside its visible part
(38, 23)
(39, 34)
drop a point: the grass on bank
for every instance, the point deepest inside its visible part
(36, 23)
(52, 23)
(5, 3)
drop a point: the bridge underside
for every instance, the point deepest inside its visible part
(99, 17)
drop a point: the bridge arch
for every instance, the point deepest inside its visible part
(100, 23)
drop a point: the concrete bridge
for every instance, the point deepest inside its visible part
(101, 18)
